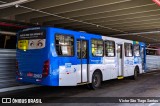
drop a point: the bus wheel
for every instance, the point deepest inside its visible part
(135, 74)
(96, 80)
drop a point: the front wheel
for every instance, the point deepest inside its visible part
(96, 80)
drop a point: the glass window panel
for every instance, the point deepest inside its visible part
(110, 48)
(97, 47)
(136, 50)
(64, 45)
(128, 50)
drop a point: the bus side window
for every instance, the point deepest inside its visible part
(78, 49)
(136, 50)
(64, 45)
(58, 48)
(81, 49)
(128, 50)
(84, 49)
(109, 48)
(97, 47)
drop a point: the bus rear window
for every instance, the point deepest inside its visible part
(34, 39)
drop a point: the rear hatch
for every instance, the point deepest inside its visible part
(31, 52)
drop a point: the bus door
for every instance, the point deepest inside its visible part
(120, 59)
(143, 57)
(82, 56)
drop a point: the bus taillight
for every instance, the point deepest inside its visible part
(17, 71)
(45, 69)
(16, 65)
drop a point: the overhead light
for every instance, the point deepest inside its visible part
(16, 5)
(157, 2)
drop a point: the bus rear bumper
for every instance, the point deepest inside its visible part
(48, 81)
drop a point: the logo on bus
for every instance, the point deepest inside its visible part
(82, 37)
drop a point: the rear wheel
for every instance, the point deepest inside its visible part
(134, 77)
(96, 80)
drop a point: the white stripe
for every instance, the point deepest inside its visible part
(17, 88)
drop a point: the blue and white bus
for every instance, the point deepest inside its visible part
(59, 57)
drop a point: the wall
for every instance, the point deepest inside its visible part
(8, 68)
(152, 62)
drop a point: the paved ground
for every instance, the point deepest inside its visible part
(147, 85)
(7, 79)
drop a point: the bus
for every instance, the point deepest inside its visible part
(58, 57)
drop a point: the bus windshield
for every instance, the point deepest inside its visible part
(33, 39)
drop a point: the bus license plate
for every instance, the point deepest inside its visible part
(30, 74)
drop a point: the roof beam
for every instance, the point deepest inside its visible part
(139, 38)
(100, 16)
(72, 7)
(135, 21)
(37, 4)
(138, 23)
(123, 27)
(113, 20)
(130, 22)
(139, 33)
(13, 3)
(138, 29)
(71, 19)
(115, 9)
(8, 33)
(8, 1)
(142, 24)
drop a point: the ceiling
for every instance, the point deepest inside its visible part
(118, 18)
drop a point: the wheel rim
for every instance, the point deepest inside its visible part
(96, 80)
(135, 73)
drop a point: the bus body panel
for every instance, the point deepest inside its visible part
(69, 67)
(70, 70)
(32, 62)
(143, 55)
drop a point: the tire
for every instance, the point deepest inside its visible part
(135, 74)
(96, 80)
